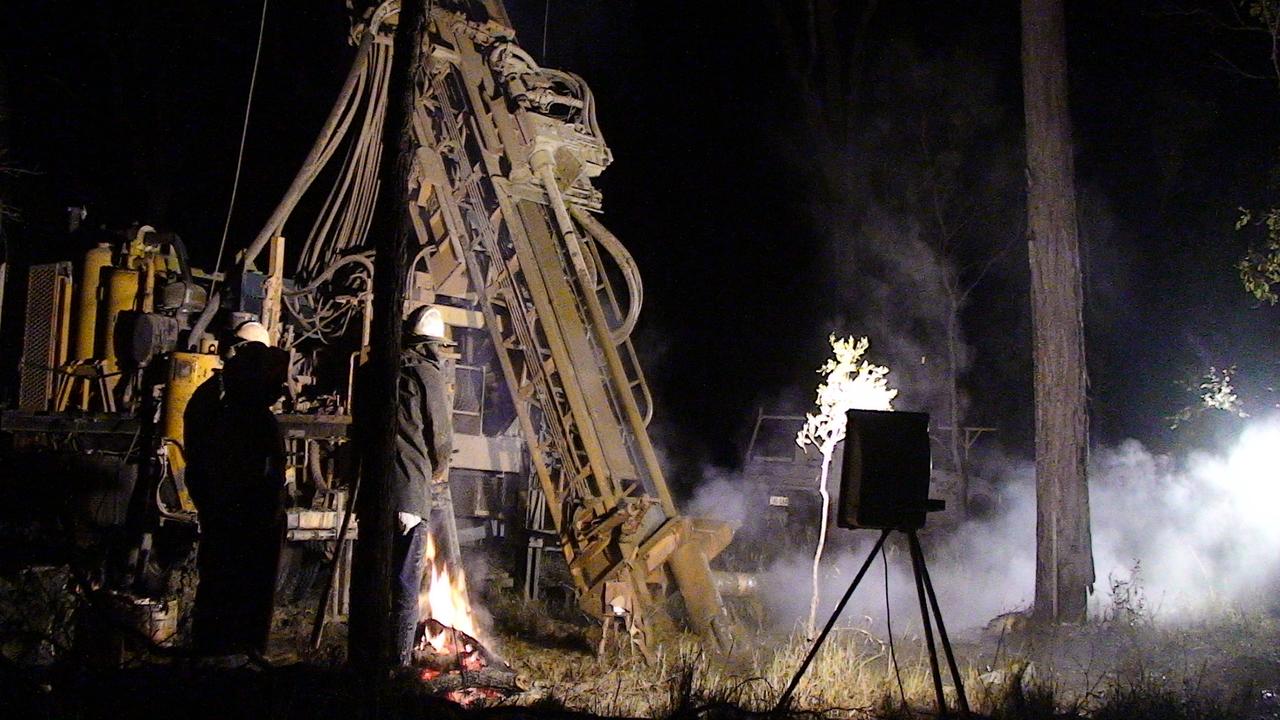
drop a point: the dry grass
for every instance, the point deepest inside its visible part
(853, 675)
(1226, 667)
(1210, 670)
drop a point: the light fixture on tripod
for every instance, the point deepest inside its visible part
(885, 486)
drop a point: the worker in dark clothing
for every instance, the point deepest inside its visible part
(424, 442)
(235, 474)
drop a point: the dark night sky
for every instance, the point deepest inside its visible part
(135, 109)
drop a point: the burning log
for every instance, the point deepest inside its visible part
(447, 657)
(459, 667)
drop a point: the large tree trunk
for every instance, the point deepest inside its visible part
(1064, 554)
(372, 644)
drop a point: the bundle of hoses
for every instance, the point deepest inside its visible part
(329, 314)
(343, 221)
(342, 224)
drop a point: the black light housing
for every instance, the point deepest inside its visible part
(885, 481)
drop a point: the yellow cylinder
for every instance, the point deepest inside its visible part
(187, 371)
(87, 309)
(121, 296)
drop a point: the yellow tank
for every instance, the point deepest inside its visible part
(187, 371)
(121, 296)
(87, 309)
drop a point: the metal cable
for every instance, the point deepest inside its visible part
(244, 133)
(546, 22)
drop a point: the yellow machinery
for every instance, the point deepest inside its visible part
(95, 261)
(187, 371)
(510, 249)
(133, 301)
(506, 151)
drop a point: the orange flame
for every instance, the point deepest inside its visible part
(444, 599)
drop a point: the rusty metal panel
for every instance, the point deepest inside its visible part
(44, 335)
(489, 454)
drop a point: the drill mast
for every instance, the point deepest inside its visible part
(505, 217)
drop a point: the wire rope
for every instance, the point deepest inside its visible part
(244, 133)
(546, 21)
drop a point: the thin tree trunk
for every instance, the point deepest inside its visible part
(372, 645)
(954, 447)
(811, 626)
(1064, 555)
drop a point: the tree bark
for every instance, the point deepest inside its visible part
(955, 443)
(1064, 554)
(372, 645)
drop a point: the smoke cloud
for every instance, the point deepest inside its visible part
(719, 497)
(1185, 535)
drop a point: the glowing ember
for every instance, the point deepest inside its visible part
(444, 599)
(446, 649)
(469, 696)
(447, 656)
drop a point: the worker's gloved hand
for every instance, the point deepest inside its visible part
(407, 521)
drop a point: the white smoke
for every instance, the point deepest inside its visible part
(719, 497)
(1203, 527)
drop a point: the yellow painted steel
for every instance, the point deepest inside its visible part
(149, 287)
(64, 297)
(187, 371)
(121, 296)
(87, 308)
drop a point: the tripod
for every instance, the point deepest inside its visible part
(924, 591)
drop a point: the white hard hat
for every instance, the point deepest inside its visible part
(428, 322)
(253, 331)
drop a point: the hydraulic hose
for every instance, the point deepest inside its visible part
(202, 322)
(364, 259)
(184, 264)
(320, 151)
(626, 263)
(543, 165)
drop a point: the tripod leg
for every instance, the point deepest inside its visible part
(917, 563)
(822, 636)
(942, 629)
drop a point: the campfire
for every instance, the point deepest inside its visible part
(447, 653)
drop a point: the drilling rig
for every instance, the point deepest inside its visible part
(540, 297)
